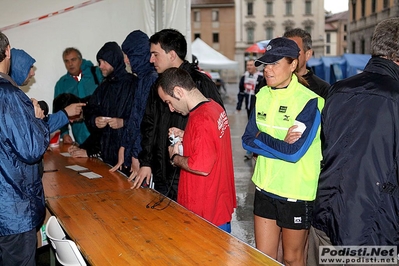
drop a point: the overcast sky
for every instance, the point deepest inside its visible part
(336, 6)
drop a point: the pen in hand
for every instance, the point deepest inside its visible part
(49, 171)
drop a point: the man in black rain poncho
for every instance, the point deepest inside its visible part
(137, 49)
(111, 103)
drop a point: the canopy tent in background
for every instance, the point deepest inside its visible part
(334, 68)
(355, 63)
(209, 58)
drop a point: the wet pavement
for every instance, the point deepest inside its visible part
(242, 223)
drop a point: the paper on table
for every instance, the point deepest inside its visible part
(77, 167)
(91, 175)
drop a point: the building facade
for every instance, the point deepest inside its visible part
(364, 15)
(336, 34)
(258, 20)
(214, 22)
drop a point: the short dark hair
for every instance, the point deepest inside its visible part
(304, 35)
(171, 39)
(173, 77)
(4, 43)
(65, 99)
(385, 41)
(69, 50)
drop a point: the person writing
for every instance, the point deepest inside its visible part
(284, 130)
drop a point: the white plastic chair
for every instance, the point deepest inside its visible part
(66, 251)
(54, 229)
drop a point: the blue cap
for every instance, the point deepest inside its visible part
(277, 49)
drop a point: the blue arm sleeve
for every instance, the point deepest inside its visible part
(57, 120)
(270, 147)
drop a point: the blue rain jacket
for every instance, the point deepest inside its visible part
(23, 141)
(137, 48)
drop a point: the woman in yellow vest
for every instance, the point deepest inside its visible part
(284, 130)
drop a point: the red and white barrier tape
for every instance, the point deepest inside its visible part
(50, 15)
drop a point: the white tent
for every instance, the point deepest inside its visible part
(209, 58)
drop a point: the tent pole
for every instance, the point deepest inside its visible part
(158, 15)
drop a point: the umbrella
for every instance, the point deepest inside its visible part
(254, 48)
(258, 47)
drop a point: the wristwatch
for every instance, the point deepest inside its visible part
(171, 159)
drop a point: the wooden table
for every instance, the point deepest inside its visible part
(115, 225)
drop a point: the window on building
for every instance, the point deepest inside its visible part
(353, 48)
(354, 10)
(308, 29)
(197, 35)
(363, 8)
(373, 6)
(269, 33)
(344, 37)
(385, 4)
(308, 7)
(269, 8)
(250, 8)
(288, 7)
(215, 37)
(345, 27)
(250, 35)
(328, 49)
(328, 38)
(197, 16)
(215, 15)
(362, 47)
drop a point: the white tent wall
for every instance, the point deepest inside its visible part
(86, 27)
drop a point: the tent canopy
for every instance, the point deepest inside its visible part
(334, 68)
(355, 63)
(209, 58)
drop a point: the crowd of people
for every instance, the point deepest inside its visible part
(325, 156)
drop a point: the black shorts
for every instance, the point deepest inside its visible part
(290, 215)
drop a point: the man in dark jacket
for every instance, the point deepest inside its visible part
(304, 42)
(137, 49)
(111, 103)
(168, 49)
(24, 137)
(357, 201)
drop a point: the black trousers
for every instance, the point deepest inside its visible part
(18, 249)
